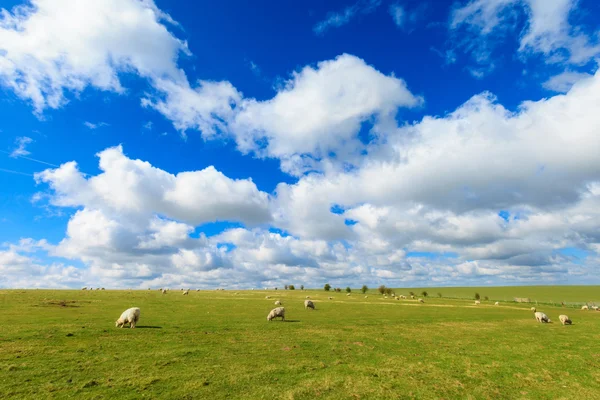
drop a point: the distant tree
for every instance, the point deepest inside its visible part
(388, 290)
(338, 289)
(291, 287)
(364, 289)
(381, 289)
(439, 294)
(327, 287)
(348, 290)
(411, 293)
(424, 293)
(286, 287)
(275, 288)
(486, 298)
(301, 287)
(477, 296)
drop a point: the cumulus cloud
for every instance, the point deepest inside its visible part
(337, 19)
(138, 188)
(318, 111)
(49, 48)
(563, 82)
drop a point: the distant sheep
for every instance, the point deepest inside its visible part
(348, 294)
(102, 289)
(585, 308)
(421, 301)
(186, 292)
(533, 309)
(366, 297)
(330, 298)
(412, 297)
(278, 312)
(595, 308)
(541, 317)
(84, 288)
(164, 291)
(496, 303)
(267, 297)
(477, 302)
(277, 303)
(402, 296)
(129, 316)
(307, 297)
(309, 304)
(565, 320)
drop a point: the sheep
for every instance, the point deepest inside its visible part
(102, 289)
(348, 294)
(402, 296)
(197, 290)
(308, 297)
(84, 288)
(533, 309)
(477, 302)
(385, 297)
(421, 301)
(277, 303)
(187, 292)
(308, 304)
(412, 297)
(278, 312)
(585, 308)
(330, 298)
(164, 291)
(541, 317)
(366, 297)
(565, 320)
(267, 297)
(496, 303)
(595, 308)
(129, 316)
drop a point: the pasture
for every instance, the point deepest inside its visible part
(219, 345)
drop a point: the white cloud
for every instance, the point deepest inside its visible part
(563, 82)
(319, 110)
(398, 14)
(21, 150)
(138, 188)
(92, 126)
(547, 32)
(51, 47)
(337, 19)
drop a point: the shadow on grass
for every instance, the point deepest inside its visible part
(148, 327)
(292, 320)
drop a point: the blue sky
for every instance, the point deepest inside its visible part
(241, 144)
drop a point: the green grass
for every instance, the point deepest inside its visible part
(218, 345)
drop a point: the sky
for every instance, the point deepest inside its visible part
(256, 144)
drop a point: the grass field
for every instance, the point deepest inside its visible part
(218, 345)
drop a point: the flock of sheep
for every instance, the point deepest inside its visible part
(132, 315)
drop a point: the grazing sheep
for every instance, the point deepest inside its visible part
(585, 308)
(308, 297)
(533, 309)
(267, 297)
(496, 303)
(412, 297)
(186, 292)
(129, 316)
(595, 308)
(477, 302)
(164, 291)
(309, 304)
(402, 296)
(565, 320)
(197, 290)
(366, 297)
(277, 303)
(84, 288)
(330, 298)
(348, 294)
(541, 317)
(276, 313)
(421, 301)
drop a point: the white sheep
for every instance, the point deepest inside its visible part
(412, 297)
(541, 317)
(277, 303)
(129, 316)
(84, 288)
(585, 308)
(330, 298)
(565, 320)
(267, 297)
(477, 302)
(164, 291)
(308, 297)
(496, 303)
(366, 297)
(278, 312)
(533, 309)
(309, 304)
(421, 301)
(348, 294)
(187, 292)
(595, 308)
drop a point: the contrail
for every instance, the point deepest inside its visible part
(15, 172)
(31, 159)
